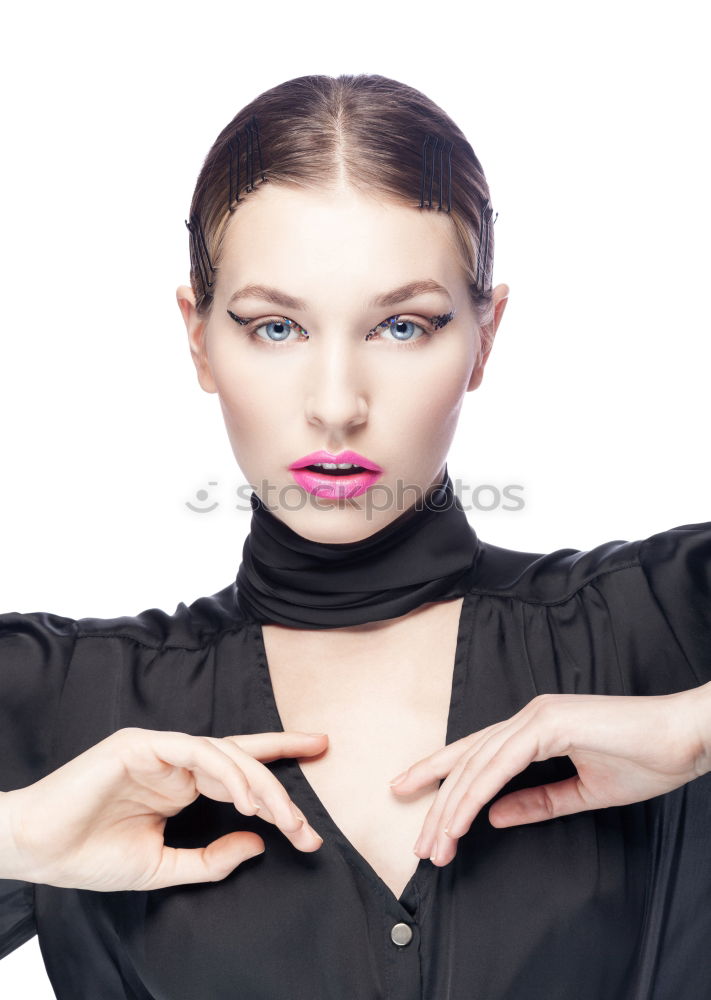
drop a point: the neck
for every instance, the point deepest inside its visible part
(426, 554)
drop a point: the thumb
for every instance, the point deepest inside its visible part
(531, 805)
(186, 865)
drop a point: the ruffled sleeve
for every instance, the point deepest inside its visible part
(35, 650)
(677, 567)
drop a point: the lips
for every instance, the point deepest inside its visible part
(351, 457)
(334, 483)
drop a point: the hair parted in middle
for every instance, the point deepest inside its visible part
(380, 135)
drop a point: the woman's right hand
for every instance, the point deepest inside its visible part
(97, 822)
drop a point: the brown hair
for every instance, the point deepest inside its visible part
(366, 129)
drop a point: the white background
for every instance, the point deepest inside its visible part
(591, 123)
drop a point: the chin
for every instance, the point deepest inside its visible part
(336, 522)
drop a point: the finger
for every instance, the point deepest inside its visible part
(435, 841)
(531, 805)
(275, 805)
(196, 752)
(433, 819)
(440, 763)
(270, 746)
(429, 769)
(148, 751)
(250, 769)
(183, 865)
(512, 757)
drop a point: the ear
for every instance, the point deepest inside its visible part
(196, 326)
(488, 333)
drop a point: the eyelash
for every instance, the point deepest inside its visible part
(252, 325)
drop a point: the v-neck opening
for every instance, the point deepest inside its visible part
(424, 870)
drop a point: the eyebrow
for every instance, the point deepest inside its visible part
(387, 299)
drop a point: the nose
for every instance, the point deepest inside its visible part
(336, 399)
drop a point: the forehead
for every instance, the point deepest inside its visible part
(295, 235)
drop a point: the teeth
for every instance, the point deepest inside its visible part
(336, 465)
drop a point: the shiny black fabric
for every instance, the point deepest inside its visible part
(426, 554)
(610, 904)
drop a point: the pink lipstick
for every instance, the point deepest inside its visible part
(319, 473)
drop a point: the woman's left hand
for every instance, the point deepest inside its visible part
(625, 749)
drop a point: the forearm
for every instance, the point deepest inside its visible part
(11, 865)
(697, 702)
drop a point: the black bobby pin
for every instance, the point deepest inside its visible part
(438, 144)
(432, 172)
(449, 175)
(199, 255)
(199, 252)
(252, 146)
(259, 147)
(441, 152)
(250, 172)
(485, 244)
(233, 188)
(424, 170)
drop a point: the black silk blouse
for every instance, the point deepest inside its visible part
(609, 904)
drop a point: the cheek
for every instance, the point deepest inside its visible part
(251, 405)
(417, 394)
(435, 415)
(429, 397)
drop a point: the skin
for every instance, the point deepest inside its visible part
(398, 406)
(625, 749)
(107, 810)
(395, 404)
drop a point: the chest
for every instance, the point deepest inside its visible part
(383, 696)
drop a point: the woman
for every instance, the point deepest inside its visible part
(341, 305)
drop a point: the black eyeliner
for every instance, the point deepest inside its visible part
(238, 319)
(436, 321)
(439, 321)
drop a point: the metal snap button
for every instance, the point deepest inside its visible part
(401, 934)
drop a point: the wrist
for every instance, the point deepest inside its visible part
(699, 703)
(11, 859)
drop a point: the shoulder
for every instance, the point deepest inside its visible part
(554, 577)
(189, 626)
(689, 544)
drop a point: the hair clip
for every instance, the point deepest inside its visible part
(251, 135)
(438, 144)
(485, 244)
(199, 252)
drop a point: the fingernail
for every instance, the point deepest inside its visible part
(315, 734)
(396, 781)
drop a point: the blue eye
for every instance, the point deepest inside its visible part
(284, 328)
(401, 329)
(281, 328)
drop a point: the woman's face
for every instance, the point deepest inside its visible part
(321, 365)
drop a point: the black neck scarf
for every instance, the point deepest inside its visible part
(426, 554)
